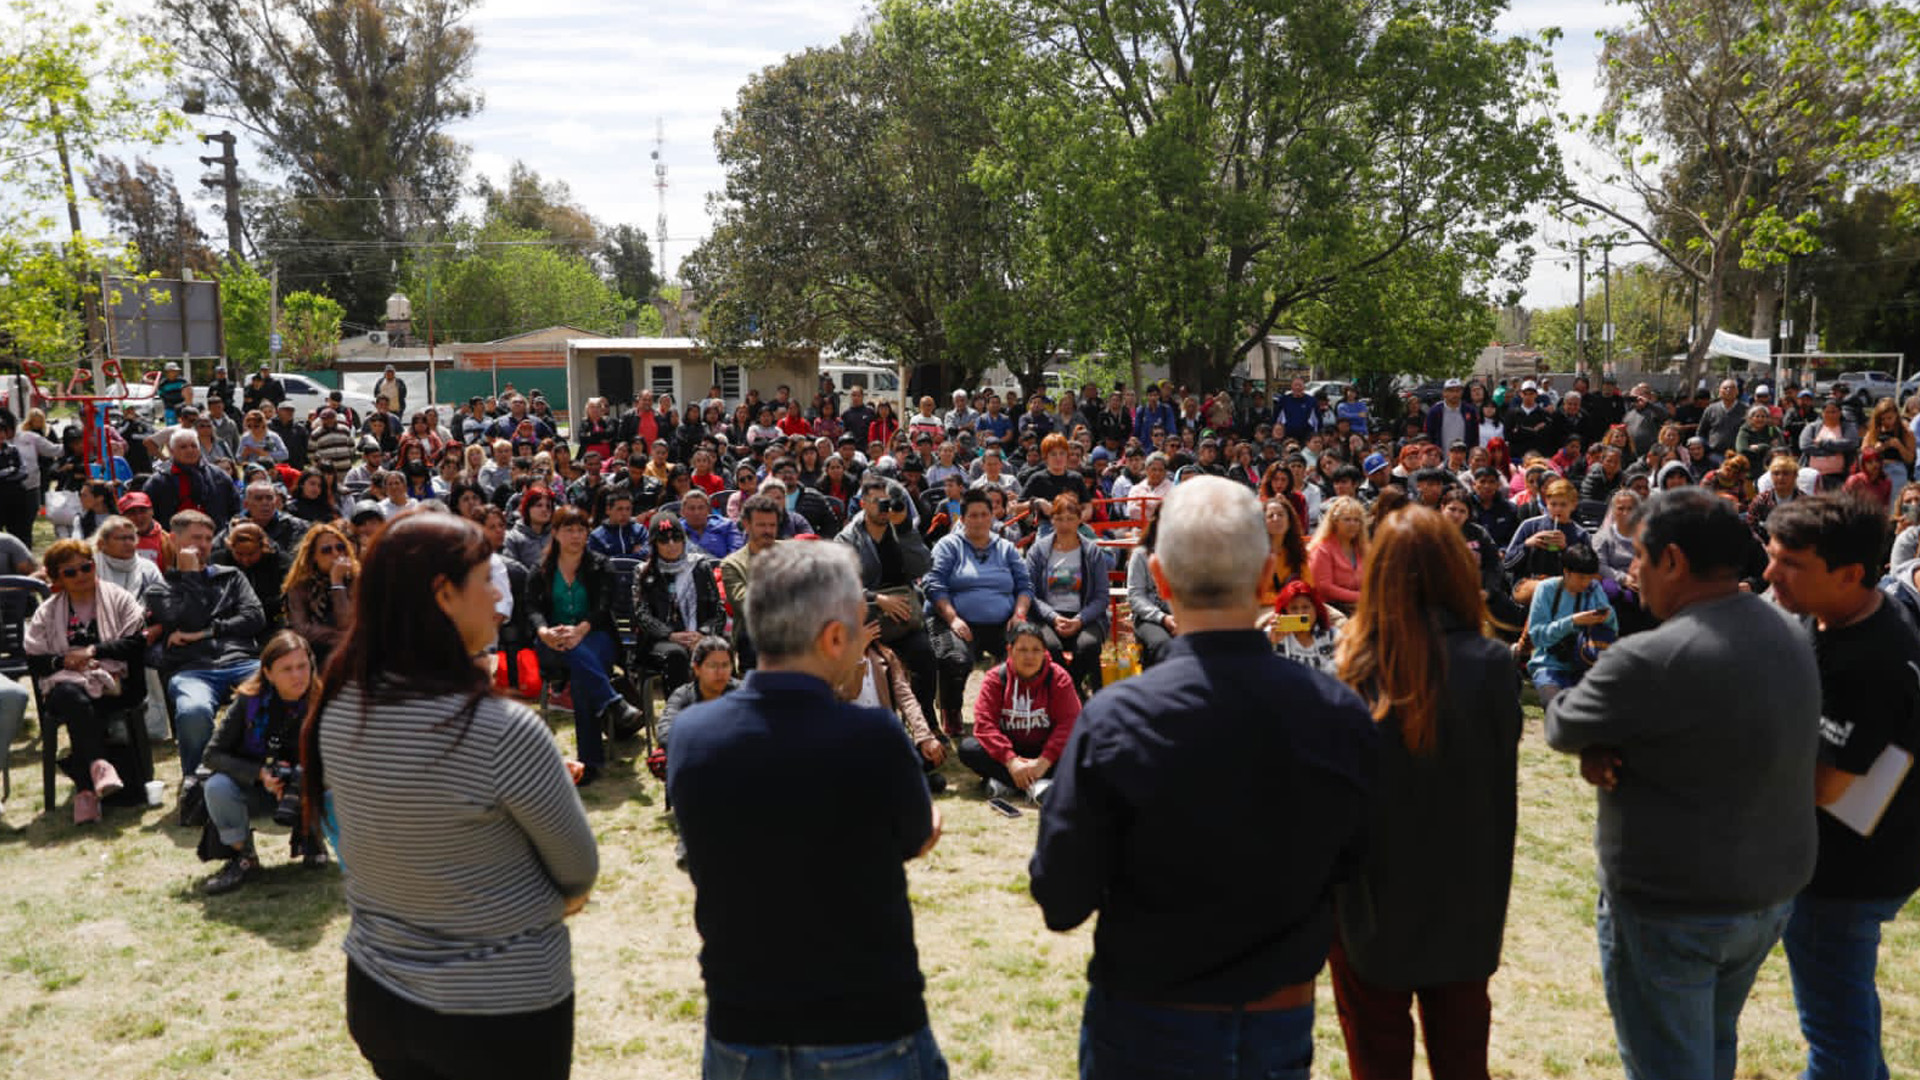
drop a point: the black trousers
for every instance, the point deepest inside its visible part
(1086, 645)
(956, 658)
(975, 757)
(915, 650)
(404, 1041)
(86, 727)
(673, 660)
(1154, 643)
(18, 508)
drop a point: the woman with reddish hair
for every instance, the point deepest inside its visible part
(1424, 916)
(1500, 457)
(1278, 483)
(1313, 645)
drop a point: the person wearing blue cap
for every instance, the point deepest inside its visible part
(1379, 472)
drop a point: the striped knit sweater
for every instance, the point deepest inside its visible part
(459, 851)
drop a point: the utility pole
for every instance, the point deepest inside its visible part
(1606, 291)
(660, 186)
(229, 179)
(273, 317)
(1786, 319)
(1580, 313)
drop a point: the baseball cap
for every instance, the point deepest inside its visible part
(1529, 385)
(364, 509)
(369, 445)
(133, 500)
(1374, 463)
(1100, 454)
(1452, 384)
(171, 366)
(1804, 392)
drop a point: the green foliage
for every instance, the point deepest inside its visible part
(310, 328)
(503, 281)
(246, 313)
(1419, 317)
(1732, 122)
(350, 100)
(73, 78)
(629, 262)
(1649, 319)
(144, 207)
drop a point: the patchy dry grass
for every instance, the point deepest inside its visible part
(107, 952)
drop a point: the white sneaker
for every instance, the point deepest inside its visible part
(999, 790)
(1038, 793)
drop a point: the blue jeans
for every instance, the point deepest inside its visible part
(1120, 1038)
(230, 807)
(1676, 985)
(590, 671)
(1833, 947)
(196, 695)
(915, 1057)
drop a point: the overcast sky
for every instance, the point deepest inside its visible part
(578, 89)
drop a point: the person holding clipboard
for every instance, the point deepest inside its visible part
(1823, 563)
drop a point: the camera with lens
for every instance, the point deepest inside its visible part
(287, 810)
(886, 506)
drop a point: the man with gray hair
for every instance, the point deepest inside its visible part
(187, 482)
(829, 975)
(1205, 955)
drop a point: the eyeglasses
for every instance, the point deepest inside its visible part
(668, 536)
(77, 569)
(331, 549)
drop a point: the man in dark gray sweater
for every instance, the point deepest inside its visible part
(1705, 765)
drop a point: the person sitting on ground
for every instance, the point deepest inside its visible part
(1021, 719)
(1569, 621)
(977, 587)
(676, 601)
(881, 681)
(210, 623)
(1534, 552)
(84, 645)
(712, 677)
(1303, 631)
(319, 590)
(265, 566)
(570, 605)
(1071, 593)
(255, 758)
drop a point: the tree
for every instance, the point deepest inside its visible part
(310, 328)
(1732, 122)
(351, 100)
(1233, 163)
(72, 80)
(524, 201)
(246, 313)
(503, 281)
(145, 208)
(1421, 316)
(629, 262)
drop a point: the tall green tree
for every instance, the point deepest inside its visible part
(246, 313)
(145, 209)
(350, 101)
(1253, 157)
(502, 281)
(74, 78)
(629, 262)
(310, 328)
(525, 201)
(1732, 122)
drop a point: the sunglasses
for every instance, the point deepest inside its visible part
(669, 536)
(77, 569)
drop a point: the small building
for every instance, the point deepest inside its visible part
(619, 368)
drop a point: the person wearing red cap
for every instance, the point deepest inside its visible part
(154, 543)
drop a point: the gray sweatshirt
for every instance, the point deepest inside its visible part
(1714, 811)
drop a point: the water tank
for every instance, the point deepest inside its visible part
(399, 308)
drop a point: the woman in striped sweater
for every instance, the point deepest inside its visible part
(463, 843)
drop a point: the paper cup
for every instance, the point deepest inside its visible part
(156, 792)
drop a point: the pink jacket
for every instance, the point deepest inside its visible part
(1335, 579)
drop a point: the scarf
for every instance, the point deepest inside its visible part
(116, 615)
(685, 596)
(125, 573)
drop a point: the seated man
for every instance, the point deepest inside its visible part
(209, 622)
(262, 506)
(716, 534)
(619, 536)
(762, 516)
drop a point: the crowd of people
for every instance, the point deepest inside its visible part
(1336, 611)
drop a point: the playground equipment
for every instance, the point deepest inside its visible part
(95, 437)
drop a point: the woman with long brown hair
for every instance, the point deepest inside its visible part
(319, 589)
(252, 754)
(1424, 916)
(1288, 541)
(462, 842)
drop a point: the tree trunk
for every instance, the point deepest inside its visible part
(1766, 301)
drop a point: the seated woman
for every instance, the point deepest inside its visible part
(976, 589)
(85, 646)
(1337, 552)
(319, 590)
(1569, 619)
(570, 606)
(255, 758)
(1021, 720)
(712, 676)
(1312, 640)
(881, 681)
(1287, 538)
(676, 600)
(249, 551)
(1071, 592)
(314, 498)
(1153, 625)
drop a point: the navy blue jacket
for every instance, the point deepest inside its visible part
(801, 892)
(1206, 809)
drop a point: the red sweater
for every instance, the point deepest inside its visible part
(1026, 718)
(1335, 579)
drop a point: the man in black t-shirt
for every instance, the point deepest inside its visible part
(1824, 562)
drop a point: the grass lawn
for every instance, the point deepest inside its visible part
(110, 958)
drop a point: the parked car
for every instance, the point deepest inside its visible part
(305, 395)
(1877, 384)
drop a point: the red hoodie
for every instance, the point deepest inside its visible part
(1027, 718)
